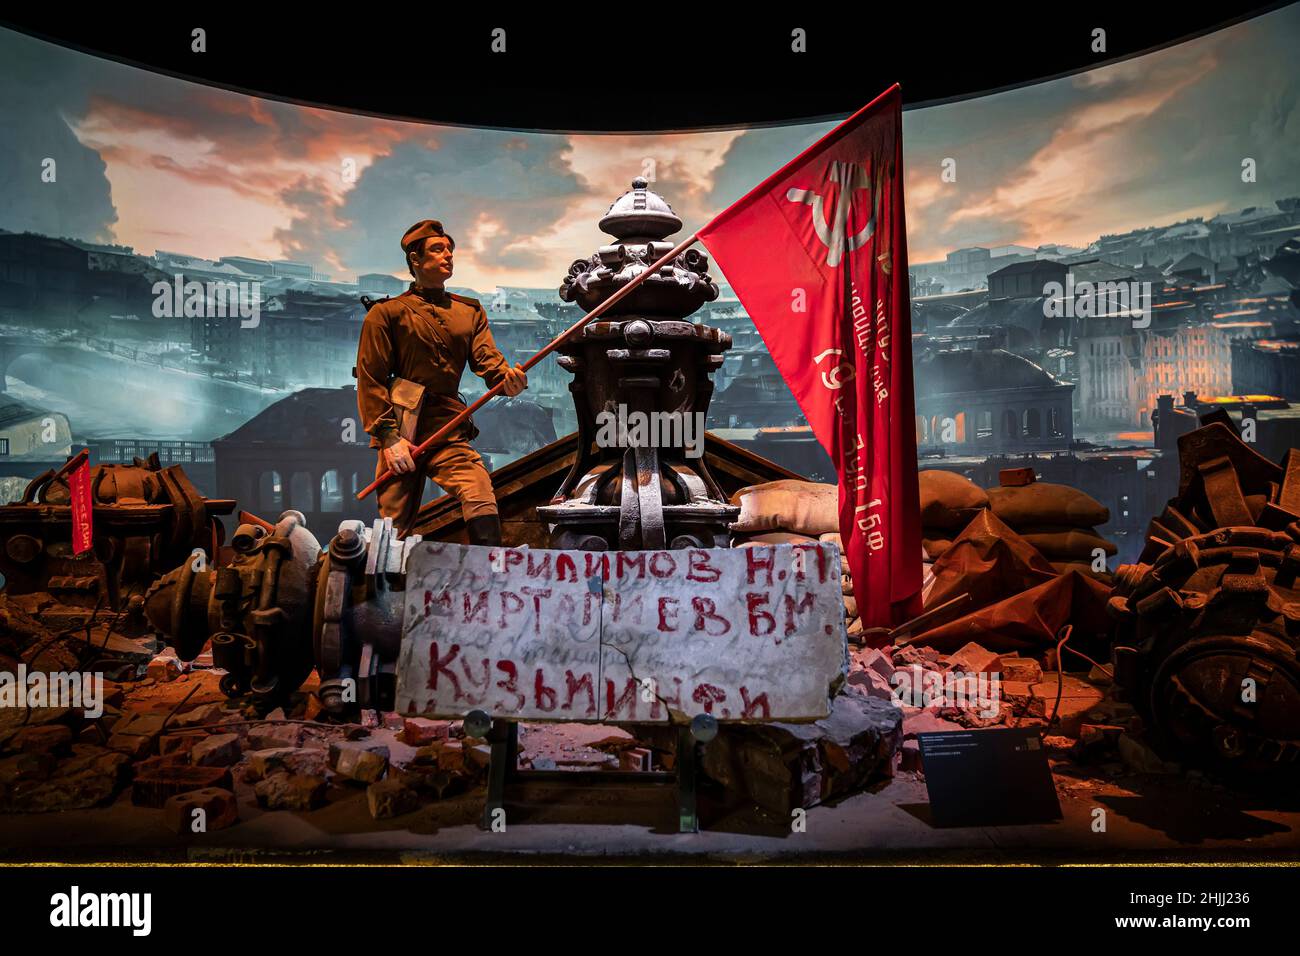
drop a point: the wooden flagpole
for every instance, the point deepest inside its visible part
(555, 343)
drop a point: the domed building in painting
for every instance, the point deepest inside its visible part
(990, 401)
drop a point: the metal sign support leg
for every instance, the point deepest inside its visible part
(502, 766)
(503, 770)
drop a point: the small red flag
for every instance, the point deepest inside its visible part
(817, 254)
(82, 511)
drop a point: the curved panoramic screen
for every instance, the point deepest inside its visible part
(1166, 181)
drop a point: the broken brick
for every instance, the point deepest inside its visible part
(271, 736)
(363, 762)
(451, 757)
(154, 787)
(974, 659)
(634, 758)
(135, 746)
(1078, 697)
(180, 743)
(25, 766)
(263, 763)
(1024, 669)
(218, 807)
(391, 798)
(89, 778)
(419, 731)
(910, 752)
(291, 791)
(478, 755)
(46, 738)
(164, 669)
(1016, 695)
(219, 750)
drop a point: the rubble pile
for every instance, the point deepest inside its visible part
(49, 636)
(1091, 725)
(55, 757)
(784, 766)
(168, 739)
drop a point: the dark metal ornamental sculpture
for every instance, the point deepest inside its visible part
(644, 361)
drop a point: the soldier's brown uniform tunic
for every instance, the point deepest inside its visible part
(427, 336)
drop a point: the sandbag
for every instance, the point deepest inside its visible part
(1065, 567)
(1075, 544)
(1044, 502)
(832, 537)
(774, 537)
(804, 507)
(936, 548)
(949, 500)
(988, 561)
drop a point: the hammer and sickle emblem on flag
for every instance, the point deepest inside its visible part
(852, 179)
(839, 374)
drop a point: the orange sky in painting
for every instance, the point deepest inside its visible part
(173, 165)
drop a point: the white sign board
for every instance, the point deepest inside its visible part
(745, 634)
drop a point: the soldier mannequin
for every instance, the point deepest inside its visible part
(413, 351)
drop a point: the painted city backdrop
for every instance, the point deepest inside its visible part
(1084, 253)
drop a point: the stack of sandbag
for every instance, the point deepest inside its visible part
(948, 503)
(790, 512)
(989, 562)
(1059, 521)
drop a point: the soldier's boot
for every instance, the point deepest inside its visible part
(485, 530)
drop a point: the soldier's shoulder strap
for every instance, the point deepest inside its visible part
(475, 303)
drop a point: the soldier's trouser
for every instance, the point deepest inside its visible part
(457, 469)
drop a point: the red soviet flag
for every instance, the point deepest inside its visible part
(82, 510)
(817, 255)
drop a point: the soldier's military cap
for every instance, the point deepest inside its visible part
(424, 229)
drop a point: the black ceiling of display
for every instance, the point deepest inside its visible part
(655, 68)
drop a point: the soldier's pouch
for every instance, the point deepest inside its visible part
(406, 397)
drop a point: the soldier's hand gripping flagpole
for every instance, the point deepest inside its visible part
(555, 343)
